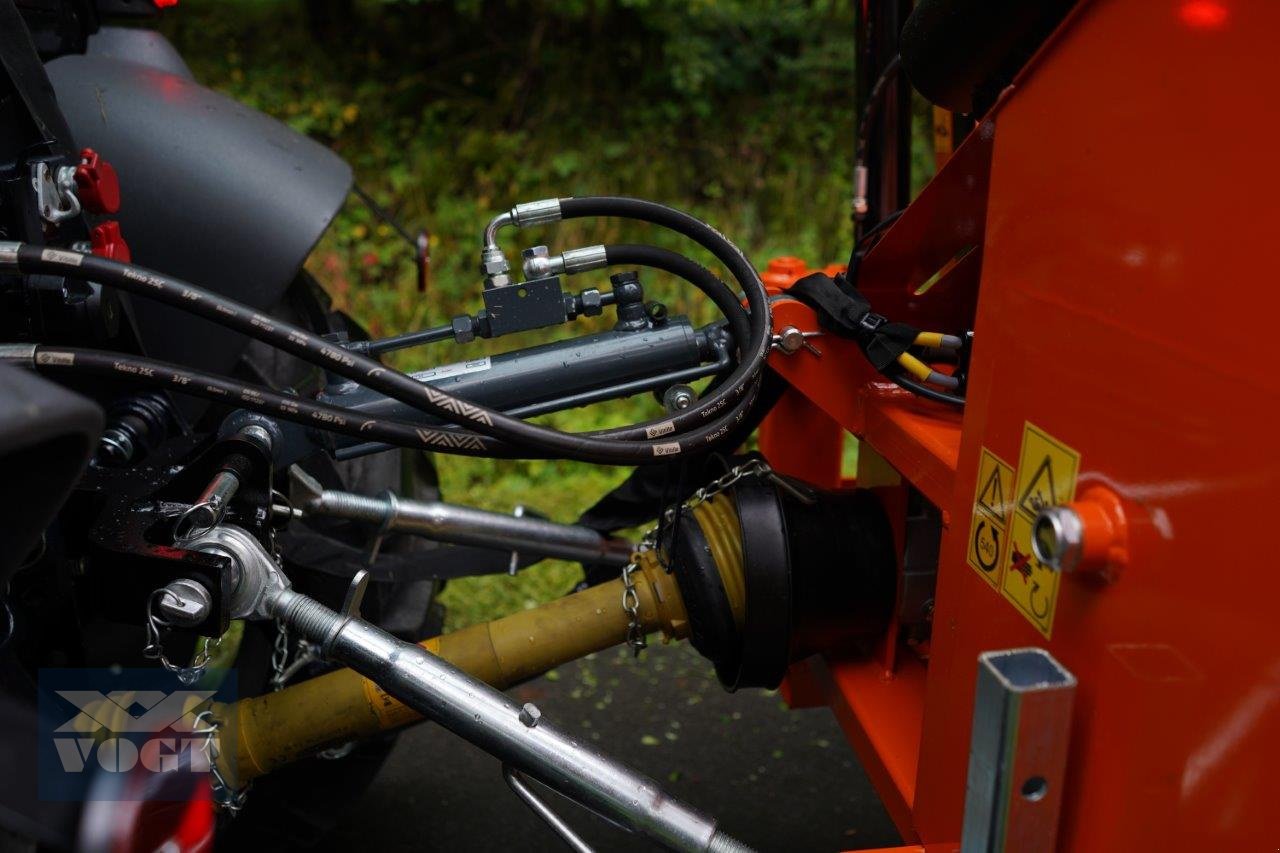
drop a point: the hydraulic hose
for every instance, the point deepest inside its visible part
(488, 423)
(73, 361)
(706, 236)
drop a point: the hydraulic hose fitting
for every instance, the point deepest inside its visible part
(493, 262)
(538, 263)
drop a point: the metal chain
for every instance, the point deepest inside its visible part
(280, 656)
(229, 799)
(750, 468)
(154, 647)
(636, 638)
(304, 654)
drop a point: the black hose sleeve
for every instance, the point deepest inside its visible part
(77, 362)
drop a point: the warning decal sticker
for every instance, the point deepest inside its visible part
(1047, 471)
(992, 504)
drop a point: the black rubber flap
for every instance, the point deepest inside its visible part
(766, 635)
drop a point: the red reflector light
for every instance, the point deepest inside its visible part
(161, 4)
(1203, 14)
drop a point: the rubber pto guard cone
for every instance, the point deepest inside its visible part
(769, 577)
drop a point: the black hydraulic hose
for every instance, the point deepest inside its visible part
(660, 441)
(77, 362)
(727, 253)
(925, 391)
(753, 346)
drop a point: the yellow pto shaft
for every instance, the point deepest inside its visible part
(276, 728)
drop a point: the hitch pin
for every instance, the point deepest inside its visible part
(211, 505)
(791, 340)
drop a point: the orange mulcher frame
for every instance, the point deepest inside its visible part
(1107, 233)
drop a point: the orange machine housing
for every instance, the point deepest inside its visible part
(1106, 232)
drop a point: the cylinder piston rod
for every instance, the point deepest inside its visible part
(461, 525)
(495, 723)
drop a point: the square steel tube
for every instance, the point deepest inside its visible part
(1018, 752)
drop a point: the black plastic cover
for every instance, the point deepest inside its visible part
(212, 191)
(47, 435)
(139, 46)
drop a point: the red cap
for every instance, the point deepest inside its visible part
(108, 243)
(99, 187)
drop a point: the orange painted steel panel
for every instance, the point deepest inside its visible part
(1099, 279)
(803, 441)
(1125, 307)
(919, 438)
(881, 714)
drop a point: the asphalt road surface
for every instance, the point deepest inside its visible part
(776, 779)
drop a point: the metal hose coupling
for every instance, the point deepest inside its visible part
(539, 263)
(493, 261)
(520, 737)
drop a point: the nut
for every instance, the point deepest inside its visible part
(537, 262)
(464, 329)
(493, 262)
(678, 398)
(592, 303)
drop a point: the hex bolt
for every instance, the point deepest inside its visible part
(185, 603)
(529, 714)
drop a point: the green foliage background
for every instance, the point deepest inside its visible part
(740, 111)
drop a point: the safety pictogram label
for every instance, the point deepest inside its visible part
(1047, 471)
(992, 504)
(1028, 583)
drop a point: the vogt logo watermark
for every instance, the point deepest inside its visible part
(129, 726)
(118, 753)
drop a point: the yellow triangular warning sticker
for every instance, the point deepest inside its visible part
(1040, 491)
(991, 498)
